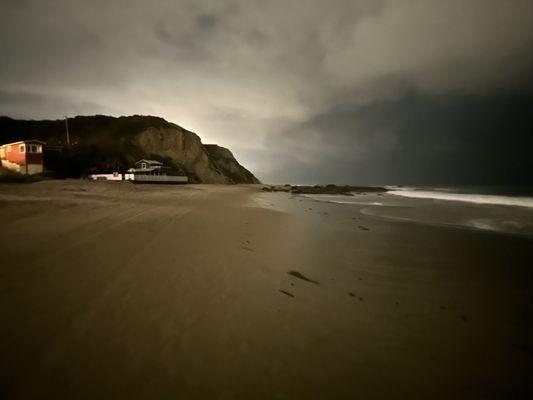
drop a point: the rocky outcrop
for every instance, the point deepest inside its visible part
(104, 143)
(346, 190)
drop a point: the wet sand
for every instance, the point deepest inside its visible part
(112, 290)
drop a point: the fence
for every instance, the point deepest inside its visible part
(156, 178)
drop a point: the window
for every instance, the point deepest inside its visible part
(2, 152)
(35, 148)
(143, 165)
(22, 148)
(9, 149)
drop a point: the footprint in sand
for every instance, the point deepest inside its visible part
(351, 294)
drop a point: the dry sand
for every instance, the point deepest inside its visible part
(112, 290)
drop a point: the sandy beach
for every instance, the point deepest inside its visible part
(112, 290)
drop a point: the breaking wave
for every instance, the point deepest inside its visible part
(469, 198)
(340, 199)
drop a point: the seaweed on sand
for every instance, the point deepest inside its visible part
(298, 275)
(286, 293)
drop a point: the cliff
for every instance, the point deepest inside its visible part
(103, 143)
(223, 160)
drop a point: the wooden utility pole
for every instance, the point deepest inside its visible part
(68, 136)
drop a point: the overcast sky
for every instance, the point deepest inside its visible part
(343, 91)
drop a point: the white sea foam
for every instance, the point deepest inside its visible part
(371, 203)
(469, 198)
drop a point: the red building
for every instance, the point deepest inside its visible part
(24, 157)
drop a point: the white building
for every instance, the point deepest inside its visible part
(152, 171)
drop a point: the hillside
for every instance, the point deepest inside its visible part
(103, 143)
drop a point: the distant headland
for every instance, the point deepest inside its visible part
(102, 143)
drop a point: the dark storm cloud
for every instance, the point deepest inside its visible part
(421, 139)
(206, 22)
(189, 42)
(369, 90)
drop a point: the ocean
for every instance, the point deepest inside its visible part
(497, 209)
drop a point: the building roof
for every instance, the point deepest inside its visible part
(151, 162)
(24, 141)
(133, 170)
